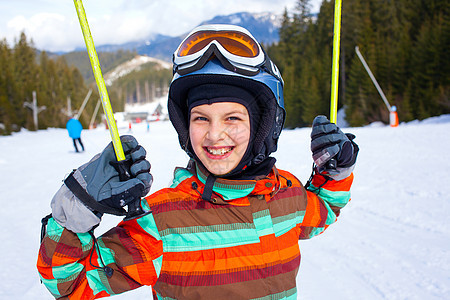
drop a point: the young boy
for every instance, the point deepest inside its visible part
(228, 227)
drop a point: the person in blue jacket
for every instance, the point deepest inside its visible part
(74, 128)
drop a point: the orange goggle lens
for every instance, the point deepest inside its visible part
(236, 43)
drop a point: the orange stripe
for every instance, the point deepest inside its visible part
(269, 243)
(233, 258)
(312, 216)
(289, 252)
(133, 271)
(170, 195)
(220, 265)
(333, 185)
(44, 269)
(83, 291)
(289, 239)
(235, 251)
(150, 247)
(59, 260)
(216, 265)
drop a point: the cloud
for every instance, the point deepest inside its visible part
(49, 31)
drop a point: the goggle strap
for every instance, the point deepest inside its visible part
(268, 67)
(200, 63)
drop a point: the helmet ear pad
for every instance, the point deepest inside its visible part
(269, 126)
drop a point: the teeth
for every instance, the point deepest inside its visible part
(220, 151)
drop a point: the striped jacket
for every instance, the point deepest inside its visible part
(241, 245)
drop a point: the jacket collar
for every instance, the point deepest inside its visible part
(232, 191)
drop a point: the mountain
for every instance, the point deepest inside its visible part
(264, 26)
(132, 65)
(130, 46)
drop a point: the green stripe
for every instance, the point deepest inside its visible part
(209, 228)
(263, 222)
(211, 239)
(85, 240)
(331, 217)
(316, 231)
(65, 272)
(106, 254)
(230, 193)
(54, 230)
(285, 295)
(148, 223)
(285, 223)
(97, 279)
(98, 282)
(157, 263)
(261, 213)
(338, 198)
(180, 175)
(52, 286)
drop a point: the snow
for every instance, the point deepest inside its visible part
(149, 107)
(132, 65)
(390, 242)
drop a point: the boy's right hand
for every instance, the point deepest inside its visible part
(95, 188)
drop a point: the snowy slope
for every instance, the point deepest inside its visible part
(391, 242)
(134, 64)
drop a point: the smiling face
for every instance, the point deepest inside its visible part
(219, 134)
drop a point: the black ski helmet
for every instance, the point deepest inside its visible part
(266, 86)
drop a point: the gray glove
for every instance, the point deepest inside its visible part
(96, 187)
(334, 152)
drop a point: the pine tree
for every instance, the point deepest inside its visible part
(7, 88)
(26, 76)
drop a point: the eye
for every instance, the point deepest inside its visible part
(233, 118)
(199, 118)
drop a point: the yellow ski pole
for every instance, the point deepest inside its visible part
(134, 208)
(100, 81)
(335, 69)
(332, 163)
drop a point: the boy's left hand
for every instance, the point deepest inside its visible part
(329, 142)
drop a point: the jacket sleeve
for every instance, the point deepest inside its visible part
(325, 198)
(71, 265)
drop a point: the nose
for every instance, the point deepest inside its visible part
(216, 132)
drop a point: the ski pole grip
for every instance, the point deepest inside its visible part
(123, 168)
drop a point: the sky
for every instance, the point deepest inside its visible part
(53, 24)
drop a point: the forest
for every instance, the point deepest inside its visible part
(53, 79)
(406, 44)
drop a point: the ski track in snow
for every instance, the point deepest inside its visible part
(390, 242)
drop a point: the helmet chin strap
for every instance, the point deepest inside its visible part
(209, 185)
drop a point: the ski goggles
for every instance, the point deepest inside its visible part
(234, 46)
